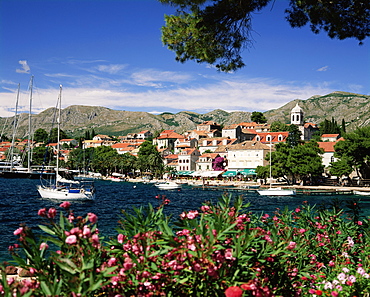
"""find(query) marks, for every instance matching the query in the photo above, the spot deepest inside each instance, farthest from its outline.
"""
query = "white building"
(187, 159)
(247, 155)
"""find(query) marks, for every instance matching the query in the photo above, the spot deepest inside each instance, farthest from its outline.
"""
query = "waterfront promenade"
(248, 185)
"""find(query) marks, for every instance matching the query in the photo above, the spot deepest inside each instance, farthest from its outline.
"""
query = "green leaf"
(47, 230)
(45, 289)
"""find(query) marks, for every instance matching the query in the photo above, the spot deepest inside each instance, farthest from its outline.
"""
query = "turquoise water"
(20, 201)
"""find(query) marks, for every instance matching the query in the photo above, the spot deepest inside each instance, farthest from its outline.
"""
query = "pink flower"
(18, 231)
(92, 217)
(42, 212)
(43, 245)
(95, 240)
(71, 217)
(234, 291)
(268, 238)
(71, 239)
(291, 245)
(86, 231)
(359, 223)
(297, 209)
(192, 214)
(302, 231)
(229, 254)
(65, 204)
(197, 267)
(120, 238)
(112, 262)
(205, 208)
(334, 293)
(52, 212)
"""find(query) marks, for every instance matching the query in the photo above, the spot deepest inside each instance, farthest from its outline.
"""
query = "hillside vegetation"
(76, 119)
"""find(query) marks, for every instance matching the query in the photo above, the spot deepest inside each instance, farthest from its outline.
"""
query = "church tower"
(296, 116)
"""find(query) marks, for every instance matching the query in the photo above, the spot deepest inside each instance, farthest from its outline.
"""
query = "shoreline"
(243, 185)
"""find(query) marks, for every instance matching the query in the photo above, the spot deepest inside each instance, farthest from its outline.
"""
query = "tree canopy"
(302, 162)
(216, 31)
(40, 135)
(355, 149)
(258, 117)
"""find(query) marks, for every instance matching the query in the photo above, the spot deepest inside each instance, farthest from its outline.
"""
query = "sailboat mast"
(14, 129)
(29, 127)
(58, 121)
(270, 161)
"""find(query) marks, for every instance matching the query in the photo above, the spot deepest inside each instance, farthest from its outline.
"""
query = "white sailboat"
(275, 191)
(61, 188)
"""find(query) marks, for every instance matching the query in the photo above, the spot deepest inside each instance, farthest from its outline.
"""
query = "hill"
(76, 119)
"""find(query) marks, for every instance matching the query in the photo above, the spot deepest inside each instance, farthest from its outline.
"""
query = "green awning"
(248, 172)
(229, 173)
(184, 172)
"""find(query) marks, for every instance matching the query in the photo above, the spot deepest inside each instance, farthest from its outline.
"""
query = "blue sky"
(109, 53)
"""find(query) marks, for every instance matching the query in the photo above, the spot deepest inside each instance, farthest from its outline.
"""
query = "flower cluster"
(220, 249)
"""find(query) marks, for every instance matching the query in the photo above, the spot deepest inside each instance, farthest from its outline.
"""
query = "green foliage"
(205, 252)
(345, 19)
(263, 171)
(258, 117)
(3, 137)
(104, 159)
(330, 127)
(216, 31)
(297, 162)
(150, 159)
(40, 135)
(341, 167)
(355, 149)
(172, 122)
(278, 127)
(53, 137)
(41, 155)
(294, 137)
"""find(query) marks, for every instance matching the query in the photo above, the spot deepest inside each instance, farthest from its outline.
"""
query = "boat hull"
(361, 193)
(277, 192)
(168, 186)
(65, 194)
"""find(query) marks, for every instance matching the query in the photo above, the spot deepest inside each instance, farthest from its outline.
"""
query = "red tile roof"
(327, 146)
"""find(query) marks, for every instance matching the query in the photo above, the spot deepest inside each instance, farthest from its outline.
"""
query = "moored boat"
(64, 187)
(362, 193)
(277, 191)
(168, 186)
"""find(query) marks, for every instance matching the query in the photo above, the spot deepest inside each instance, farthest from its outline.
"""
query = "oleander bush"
(221, 249)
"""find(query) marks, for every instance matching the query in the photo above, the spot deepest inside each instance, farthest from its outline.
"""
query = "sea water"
(20, 202)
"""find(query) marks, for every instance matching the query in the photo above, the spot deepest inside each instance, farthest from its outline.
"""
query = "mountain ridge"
(76, 119)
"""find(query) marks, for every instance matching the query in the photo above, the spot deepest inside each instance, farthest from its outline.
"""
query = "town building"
(167, 139)
(187, 159)
(247, 155)
(307, 129)
(205, 161)
(211, 144)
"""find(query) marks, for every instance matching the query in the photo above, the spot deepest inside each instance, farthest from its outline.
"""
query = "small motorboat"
(277, 191)
(168, 186)
(362, 193)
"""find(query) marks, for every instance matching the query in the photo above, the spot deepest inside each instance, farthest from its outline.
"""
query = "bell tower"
(296, 116)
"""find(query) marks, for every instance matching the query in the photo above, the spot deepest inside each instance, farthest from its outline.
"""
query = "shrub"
(218, 250)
